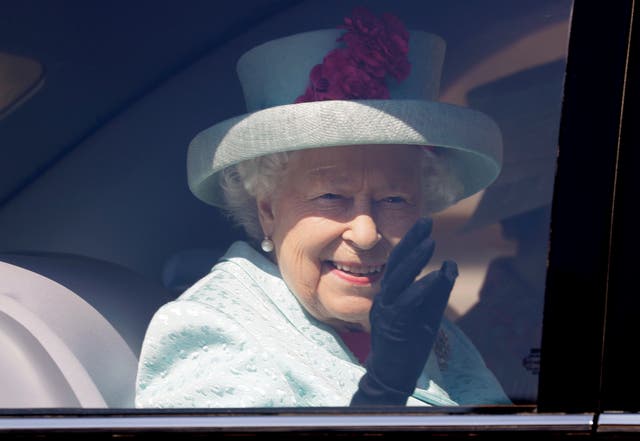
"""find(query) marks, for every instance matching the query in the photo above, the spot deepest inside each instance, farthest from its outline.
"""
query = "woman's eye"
(330, 196)
(394, 200)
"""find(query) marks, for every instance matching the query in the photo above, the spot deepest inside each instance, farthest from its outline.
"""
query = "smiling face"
(334, 219)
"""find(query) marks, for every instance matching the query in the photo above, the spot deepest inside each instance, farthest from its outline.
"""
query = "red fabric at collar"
(359, 343)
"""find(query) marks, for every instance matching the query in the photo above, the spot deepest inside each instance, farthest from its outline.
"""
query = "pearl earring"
(266, 244)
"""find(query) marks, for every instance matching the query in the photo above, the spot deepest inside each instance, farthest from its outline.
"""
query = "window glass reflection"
(509, 309)
(391, 202)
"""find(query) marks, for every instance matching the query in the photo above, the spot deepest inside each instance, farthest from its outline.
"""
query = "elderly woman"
(331, 174)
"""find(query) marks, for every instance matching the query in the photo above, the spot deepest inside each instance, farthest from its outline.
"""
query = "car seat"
(186, 267)
(71, 328)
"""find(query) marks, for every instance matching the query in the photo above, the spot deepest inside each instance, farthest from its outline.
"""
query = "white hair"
(249, 180)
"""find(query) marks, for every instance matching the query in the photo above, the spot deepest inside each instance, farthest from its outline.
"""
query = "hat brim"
(470, 141)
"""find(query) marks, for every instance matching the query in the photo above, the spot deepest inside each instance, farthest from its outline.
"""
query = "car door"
(581, 368)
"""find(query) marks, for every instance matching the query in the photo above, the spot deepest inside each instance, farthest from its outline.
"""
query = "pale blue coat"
(239, 338)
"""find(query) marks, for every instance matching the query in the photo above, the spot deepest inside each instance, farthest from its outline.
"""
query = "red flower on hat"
(374, 48)
(340, 77)
(380, 45)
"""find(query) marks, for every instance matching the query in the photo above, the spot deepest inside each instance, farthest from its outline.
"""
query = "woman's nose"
(362, 232)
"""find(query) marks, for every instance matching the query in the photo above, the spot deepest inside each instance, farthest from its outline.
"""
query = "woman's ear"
(266, 214)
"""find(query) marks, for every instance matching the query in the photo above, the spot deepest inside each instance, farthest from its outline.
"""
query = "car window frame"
(579, 266)
(619, 391)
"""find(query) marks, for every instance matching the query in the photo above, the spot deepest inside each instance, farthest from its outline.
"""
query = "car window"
(100, 214)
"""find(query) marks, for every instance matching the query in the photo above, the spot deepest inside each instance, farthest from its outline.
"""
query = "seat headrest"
(57, 349)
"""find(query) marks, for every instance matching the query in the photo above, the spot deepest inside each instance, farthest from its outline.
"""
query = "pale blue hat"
(274, 74)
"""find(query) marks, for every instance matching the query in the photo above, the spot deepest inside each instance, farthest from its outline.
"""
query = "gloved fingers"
(416, 234)
(449, 270)
(401, 276)
(416, 309)
(429, 296)
(426, 294)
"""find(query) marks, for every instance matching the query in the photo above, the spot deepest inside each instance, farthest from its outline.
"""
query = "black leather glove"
(405, 318)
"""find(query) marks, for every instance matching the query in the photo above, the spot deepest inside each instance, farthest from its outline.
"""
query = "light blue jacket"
(239, 338)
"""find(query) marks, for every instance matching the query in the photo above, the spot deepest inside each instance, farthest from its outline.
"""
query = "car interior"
(98, 103)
